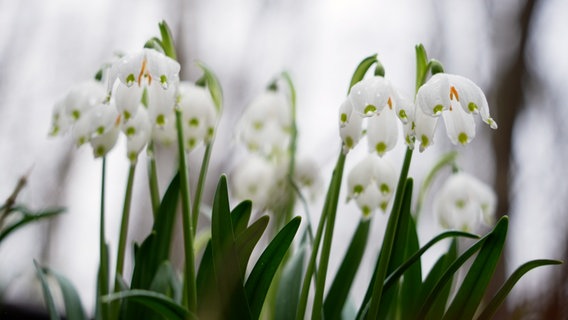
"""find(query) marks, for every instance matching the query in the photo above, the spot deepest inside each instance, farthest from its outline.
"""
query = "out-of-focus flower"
(456, 99)
(371, 183)
(253, 179)
(464, 201)
(138, 131)
(199, 114)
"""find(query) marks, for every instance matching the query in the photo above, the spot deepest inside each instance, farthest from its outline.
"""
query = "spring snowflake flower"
(151, 71)
(253, 179)
(199, 114)
(456, 99)
(265, 125)
(464, 201)
(138, 131)
(371, 183)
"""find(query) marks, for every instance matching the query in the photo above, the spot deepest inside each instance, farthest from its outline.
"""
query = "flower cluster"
(265, 128)
(464, 201)
(139, 99)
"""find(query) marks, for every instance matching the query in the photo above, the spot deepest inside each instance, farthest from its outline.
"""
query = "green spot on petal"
(460, 204)
(132, 156)
(472, 107)
(161, 120)
(437, 109)
(191, 143)
(424, 141)
(100, 151)
(76, 114)
(370, 109)
(358, 189)
(194, 122)
(383, 205)
(349, 142)
(100, 130)
(463, 138)
(127, 115)
(130, 131)
(384, 188)
(366, 211)
(257, 125)
(402, 114)
(130, 79)
(343, 117)
(381, 148)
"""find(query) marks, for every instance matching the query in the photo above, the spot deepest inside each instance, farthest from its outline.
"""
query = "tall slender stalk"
(190, 289)
(153, 180)
(123, 235)
(326, 246)
(201, 185)
(103, 283)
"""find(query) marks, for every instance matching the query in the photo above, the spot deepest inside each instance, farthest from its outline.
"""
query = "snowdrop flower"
(265, 125)
(138, 131)
(463, 202)
(371, 95)
(148, 70)
(199, 114)
(457, 99)
(371, 183)
(253, 179)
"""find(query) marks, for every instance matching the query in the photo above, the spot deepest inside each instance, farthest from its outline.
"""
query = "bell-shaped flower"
(464, 201)
(350, 126)
(424, 128)
(161, 103)
(371, 95)
(83, 97)
(165, 134)
(60, 121)
(253, 179)
(103, 143)
(307, 175)
(382, 131)
(371, 183)
(146, 66)
(127, 99)
(457, 99)
(199, 114)
(137, 130)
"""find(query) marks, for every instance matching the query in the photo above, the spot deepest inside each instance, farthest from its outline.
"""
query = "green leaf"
(439, 305)
(412, 279)
(206, 285)
(470, 293)
(167, 40)
(247, 240)
(166, 281)
(447, 276)
(341, 285)
(102, 311)
(48, 298)
(158, 302)
(26, 218)
(213, 85)
(73, 306)
(288, 295)
(362, 69)
(421, 65)
(232, 298)
(500, 296)
(240, 216)
(260, 278)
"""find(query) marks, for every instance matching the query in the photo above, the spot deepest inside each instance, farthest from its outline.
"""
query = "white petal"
(404, 109)
(252, 179)
(162, 68)
(160, 103)
(83, 97)
(454, 206)
(472, 98)
(351, 131)
(370, 95)
(60, 121)
(460, 126)
(425, 127)
(385, 176)
(368, 201)
(199, 113)
(102, 144)
(129, 67)
(127, 99)
(382, 132)
(434, 96)
(360, 176)
(103, 118)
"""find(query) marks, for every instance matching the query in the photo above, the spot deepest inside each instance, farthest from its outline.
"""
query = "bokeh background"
(514, 49)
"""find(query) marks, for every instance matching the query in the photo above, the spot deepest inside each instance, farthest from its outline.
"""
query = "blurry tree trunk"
(508, 101)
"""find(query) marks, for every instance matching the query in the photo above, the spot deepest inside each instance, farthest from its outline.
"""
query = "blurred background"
(515, 50)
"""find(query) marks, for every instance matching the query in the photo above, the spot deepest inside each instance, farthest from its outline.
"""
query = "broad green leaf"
(341, 285)
(240, 216)
(471, 291)
(213, 86)
(439, 304)
(27, 218)
(206, 285)
(167, 40)
(362, 69)
(48, 298)
(157, 302)
(288, 294)
(164, 223)
(246, 242)
(167, 282)
(421, 65)
(412, 279)
(73, 306)
(232, 297)
(500, 296)
(447, 276)
(260, 278)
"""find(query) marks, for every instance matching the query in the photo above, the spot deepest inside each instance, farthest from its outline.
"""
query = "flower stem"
(326, 246)
(103, 283)
(388, 241)
(124, 226)
(153, 180)
(190, 289)
(200, 186)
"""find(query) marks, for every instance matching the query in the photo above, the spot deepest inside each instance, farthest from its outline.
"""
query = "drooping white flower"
(382, 131)
(138, 131)
(103, 143)
(83, 97)
(350, 126)
(371, 183)
(464, 201)
(371, 95)
(199, 114)
(265, 124)
(457, 99)
(253, 179)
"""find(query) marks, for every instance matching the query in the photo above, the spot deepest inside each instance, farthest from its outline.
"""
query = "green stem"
(292, 146)
(447, 159)
(103, 285)
(124, 226)
(201, 185)
(326, 247)
(190, 289)
(388, 240)
(153, 180)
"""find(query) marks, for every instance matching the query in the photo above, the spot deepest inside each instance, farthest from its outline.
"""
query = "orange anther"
(454, 93)
(389, 102)
(142, 71)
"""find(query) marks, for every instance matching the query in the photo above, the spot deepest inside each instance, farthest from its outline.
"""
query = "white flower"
(371, 183)
(103, 143)
(60, 121)
(138, 131)
(253, 179)
(371, 95)
(464, 201)
(382, 131)
(265, 125)
(199, 114)
(457, 99)
(350, 126)
(307, 175)
(96, 121)
(83, 97)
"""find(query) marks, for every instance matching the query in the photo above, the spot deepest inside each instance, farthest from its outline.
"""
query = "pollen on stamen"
(389, 102)
(142, 71)
(454, 93)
